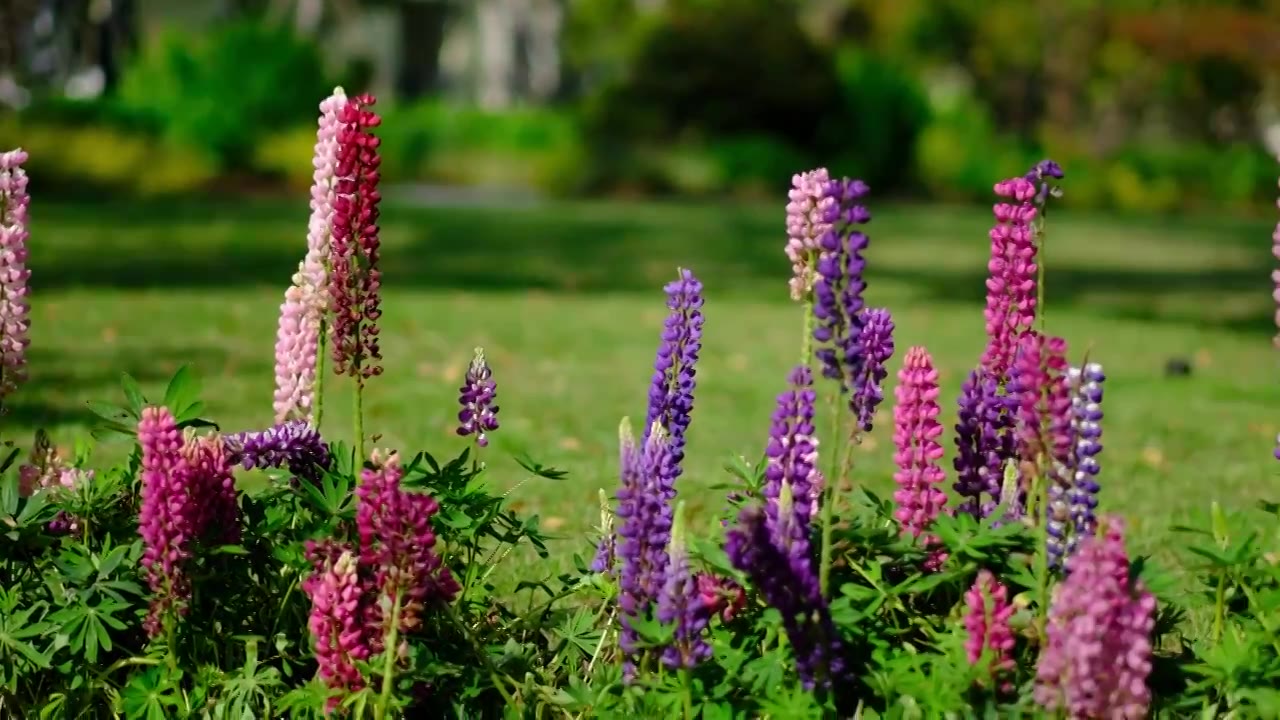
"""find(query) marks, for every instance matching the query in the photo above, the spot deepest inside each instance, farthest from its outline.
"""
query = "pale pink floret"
(302, 314)
(1011, 284)
(915, 436)
(14, 311)
(810, 214)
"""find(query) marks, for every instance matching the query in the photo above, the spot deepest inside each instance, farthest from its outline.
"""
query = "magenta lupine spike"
(306, 300)
(1097, 657)
(215, 504)
(986, 622)
(337, 621)
(915, 435)
(397, 543)
(15, 320)
(165, 517)
(1011, 285)
(810, 210)
(355, 280)
(478, 416)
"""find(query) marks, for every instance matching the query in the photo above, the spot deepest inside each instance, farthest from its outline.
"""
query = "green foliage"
(885, 111)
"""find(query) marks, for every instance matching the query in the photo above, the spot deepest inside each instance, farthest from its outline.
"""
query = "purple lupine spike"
(478, 416)
(984, 443)
(671, 392)
(876, 341)
(791, 455)
(788, 584)
(1097, 657)
(838, 288)
(294, 444)
(646, 516)
(679, 603)
(1086, 406)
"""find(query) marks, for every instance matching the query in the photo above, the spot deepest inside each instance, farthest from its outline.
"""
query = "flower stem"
(806, 342)
(828, 499)
(359, 420)
(389, 663)
(1041, 515)
(319, 403)
(686, 692)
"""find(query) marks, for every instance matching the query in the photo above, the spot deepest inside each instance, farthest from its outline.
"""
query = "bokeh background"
(549, 163)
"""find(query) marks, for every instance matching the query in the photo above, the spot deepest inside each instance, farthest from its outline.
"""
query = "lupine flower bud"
(837, 290)
(478, 416)
(984, 441)
(810, 214)
(720, 596)
(674, 368)
(1011, 286)
(915, 434)
(1097, 658)
(791, 456)
(876, 341)
(679, 603)
(336, 623)
(215, 505)
(165, 519)
(986, 621)
(791, 588)
(15, 318)
(1086, 407)
(607, 550)
(356, 280)
(646, 515)
(294, 444)
(305, 302)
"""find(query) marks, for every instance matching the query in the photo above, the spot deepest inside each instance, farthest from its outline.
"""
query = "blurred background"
(1153, 106)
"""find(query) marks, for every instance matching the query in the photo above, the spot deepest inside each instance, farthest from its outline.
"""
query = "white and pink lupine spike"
(810, 210)
(15, 319)
(302, 314)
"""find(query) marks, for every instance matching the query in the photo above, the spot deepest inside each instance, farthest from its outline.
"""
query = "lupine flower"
(837, 290)
(984, 442)
(810, 214)
(398, 545)
(671, 390)
(166, 517)
(1086, 407)
(46, 471)
(986, 621)
(215, 506)
(15, 318)
(478, 416)
(1097, 657)
(355, 279)
(1011, 286)
(294, 444)
(305, 302)
(607, 551)
(680, 603)
(646, 516)
(788, 584)
(1043, 175)
(915, 435)
(720, 596)
(876, 341)
(791, 455)
(336, 622)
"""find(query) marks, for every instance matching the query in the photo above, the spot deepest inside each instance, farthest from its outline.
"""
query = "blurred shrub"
(960, 156)
(885, 110)
(105, 160)
(219, 89)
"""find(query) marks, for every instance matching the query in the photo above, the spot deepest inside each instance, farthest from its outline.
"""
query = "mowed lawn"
(567, 301)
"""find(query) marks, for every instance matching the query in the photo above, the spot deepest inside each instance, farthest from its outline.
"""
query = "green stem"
(686, 692)
(1040, 270)
(828, 502)
(1041, 515)
(389, 663)
(806, 342)
(319, 414)
(1220, 608)
(359, 419)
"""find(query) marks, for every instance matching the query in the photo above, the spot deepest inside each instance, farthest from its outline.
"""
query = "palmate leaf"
(151, 695)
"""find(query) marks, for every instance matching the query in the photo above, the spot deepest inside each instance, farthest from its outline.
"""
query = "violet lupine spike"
(165, 516)
(1086, 406)
(679, 603)
(1011, 285)
(790, 586)
(837, 291)
(810, 214)
(646, 516)
(984, 443)
(397, 544)
(1097, 657)
(674, 369)
(355, 280)
(915, 435)
(478, 416)
(791, 455)
(337, 621)
(986, 623)
(15, 313)
(306, 300)
(294, 444)
(876, 341)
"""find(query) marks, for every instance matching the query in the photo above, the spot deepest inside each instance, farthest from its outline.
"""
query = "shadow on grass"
(595, 248)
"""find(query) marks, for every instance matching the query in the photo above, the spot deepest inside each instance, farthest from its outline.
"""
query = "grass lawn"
(567, 301)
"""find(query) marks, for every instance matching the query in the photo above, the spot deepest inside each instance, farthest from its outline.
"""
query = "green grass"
(567, 301)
